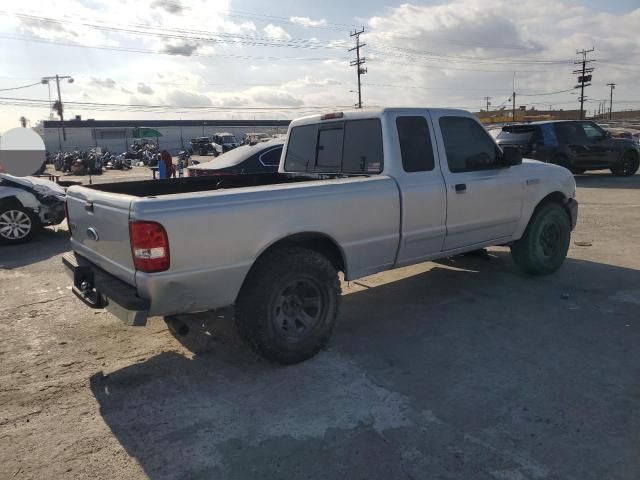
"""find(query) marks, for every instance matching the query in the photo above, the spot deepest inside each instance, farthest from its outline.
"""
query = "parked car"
(223, 142)
(253, 137)
(26, 205)
(202, 146)
(263, 157)
(426, 184)
(576, 145)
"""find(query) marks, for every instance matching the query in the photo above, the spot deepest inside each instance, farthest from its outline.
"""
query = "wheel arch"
(319, 242)
(316, 241)
(553, 197)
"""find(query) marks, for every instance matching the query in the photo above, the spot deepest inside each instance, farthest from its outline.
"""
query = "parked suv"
(576, 145)
(223, 142)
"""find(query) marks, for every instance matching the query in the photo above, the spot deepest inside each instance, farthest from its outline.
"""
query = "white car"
(26, 205)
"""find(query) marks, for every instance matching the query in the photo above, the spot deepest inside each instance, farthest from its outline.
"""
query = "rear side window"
(271, 158)
(570, 132)
(362, 147)
(353, 146)
(301, 151)
(549, 137)
(415, 144)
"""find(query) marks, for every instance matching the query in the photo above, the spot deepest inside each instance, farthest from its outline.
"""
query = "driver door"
(484, 198)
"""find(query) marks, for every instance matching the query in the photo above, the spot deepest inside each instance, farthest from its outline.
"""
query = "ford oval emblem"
(92, 233)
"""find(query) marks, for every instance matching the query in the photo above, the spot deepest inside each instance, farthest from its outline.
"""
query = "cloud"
(274, 97)
(233, 100)
(102, 82)
(46, 30)
(144, 89)
(277, 33)
(307, 22)
(188, 99)
(181, 48)
(173, 7)
(308, 81)
(125, 90)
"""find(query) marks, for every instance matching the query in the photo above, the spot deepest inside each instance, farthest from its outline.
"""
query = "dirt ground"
(460, 369)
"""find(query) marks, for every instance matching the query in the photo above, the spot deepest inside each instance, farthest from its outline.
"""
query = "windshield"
(229, 139)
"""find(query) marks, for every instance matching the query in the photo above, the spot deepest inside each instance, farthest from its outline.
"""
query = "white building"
(117, 135)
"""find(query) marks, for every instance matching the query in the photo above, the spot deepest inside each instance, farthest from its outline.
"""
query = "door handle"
(461, 187)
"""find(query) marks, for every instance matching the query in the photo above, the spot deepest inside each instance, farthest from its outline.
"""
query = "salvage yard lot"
(462, 368)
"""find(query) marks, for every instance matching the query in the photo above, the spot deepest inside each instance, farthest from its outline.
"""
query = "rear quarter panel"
(215, 237)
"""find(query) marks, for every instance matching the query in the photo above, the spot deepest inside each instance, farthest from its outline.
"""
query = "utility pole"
(358, 62)
(612, 86)
(58, 105)
(585, 76)
(488, 102)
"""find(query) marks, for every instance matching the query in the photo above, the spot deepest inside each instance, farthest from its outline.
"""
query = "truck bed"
(152, 188)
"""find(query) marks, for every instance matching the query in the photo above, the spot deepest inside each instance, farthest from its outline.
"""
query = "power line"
(155, 52)
(168, 107)
(18, 88)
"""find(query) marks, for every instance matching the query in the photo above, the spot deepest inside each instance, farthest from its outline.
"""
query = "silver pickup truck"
(358, 192)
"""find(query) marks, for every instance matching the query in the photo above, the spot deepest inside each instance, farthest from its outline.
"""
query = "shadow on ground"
(467, 371)
(48, 243)
(606, 180)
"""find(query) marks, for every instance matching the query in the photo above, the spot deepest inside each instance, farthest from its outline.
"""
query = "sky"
(206, 59)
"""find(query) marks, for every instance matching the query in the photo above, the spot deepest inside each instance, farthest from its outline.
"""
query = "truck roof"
(372, 113)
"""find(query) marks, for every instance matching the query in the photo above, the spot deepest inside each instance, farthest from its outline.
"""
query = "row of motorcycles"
(89, 162)
(93, 162)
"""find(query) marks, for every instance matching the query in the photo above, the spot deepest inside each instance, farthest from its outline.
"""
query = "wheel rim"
(15, 224)
(550, 239)
(298, 308)
(627, 164)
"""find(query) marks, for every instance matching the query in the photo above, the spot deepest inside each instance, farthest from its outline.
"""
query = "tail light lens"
(149, 246)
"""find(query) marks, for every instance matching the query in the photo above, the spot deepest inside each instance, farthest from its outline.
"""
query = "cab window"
(468, 145)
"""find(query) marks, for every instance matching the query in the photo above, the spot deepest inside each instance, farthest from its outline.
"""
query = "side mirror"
(511, 156)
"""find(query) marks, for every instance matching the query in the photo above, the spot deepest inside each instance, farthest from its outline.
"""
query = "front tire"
(288, 305)
(628, 165)
(17, 224)
(544, 245)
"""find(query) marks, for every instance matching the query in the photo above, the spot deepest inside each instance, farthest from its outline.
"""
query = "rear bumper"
(98, 289)
(572, 207)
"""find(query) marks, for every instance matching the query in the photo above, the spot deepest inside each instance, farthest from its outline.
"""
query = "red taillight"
(149, 246)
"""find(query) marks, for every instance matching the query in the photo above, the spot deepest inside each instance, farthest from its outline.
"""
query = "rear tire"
(628, 165)
(17, 224)
(544, 245)
(288, 305)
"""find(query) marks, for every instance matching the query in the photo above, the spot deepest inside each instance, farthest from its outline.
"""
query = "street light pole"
(57, 78)
(612, 85)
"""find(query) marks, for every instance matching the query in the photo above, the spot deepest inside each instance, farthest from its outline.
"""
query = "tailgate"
(99, 225)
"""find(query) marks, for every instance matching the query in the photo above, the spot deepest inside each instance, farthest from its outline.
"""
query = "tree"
(23, 121)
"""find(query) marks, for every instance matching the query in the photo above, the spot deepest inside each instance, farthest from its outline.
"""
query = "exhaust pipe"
(177, 326)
